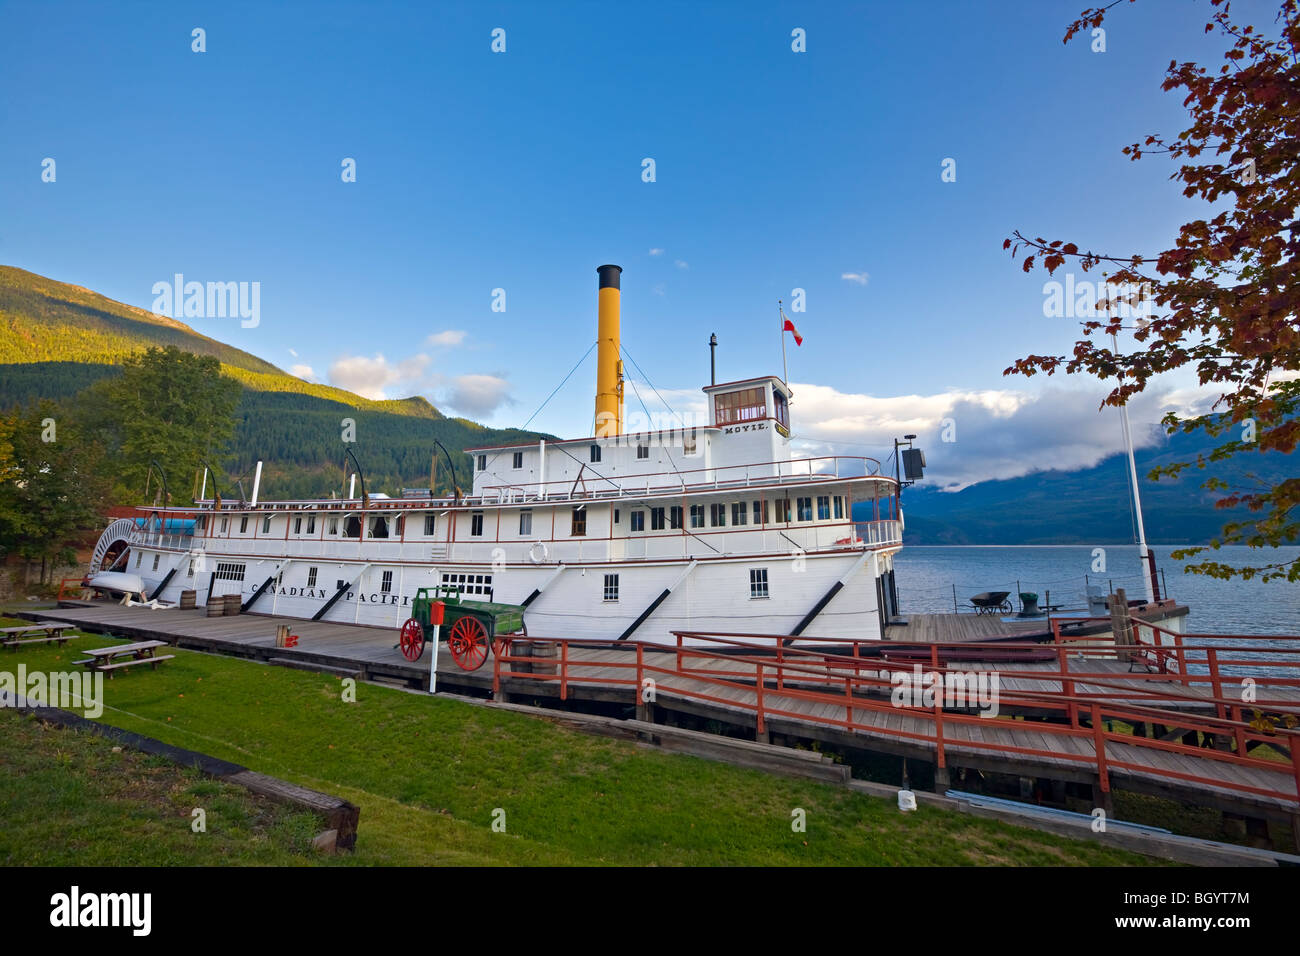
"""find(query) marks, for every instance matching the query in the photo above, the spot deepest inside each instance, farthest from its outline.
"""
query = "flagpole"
(785, 370)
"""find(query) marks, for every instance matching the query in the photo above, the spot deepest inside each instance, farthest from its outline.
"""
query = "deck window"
(430, 523)
(718, 516)
(138, 556)
(839, 507)
(697, 516)
(595, 453)
(517, 461)
(525, 522)
(334, 526)
(243, 524)
(823, 507)
(311, 577)
(297, 525)
(386, 583)
(638, 520)
(739, 513)
(229, 572)
(757, 583)
(352, 527)
(266, 525)
(155, 561)
(224, 523)
(311, 524)
(675, 517)
(611, 587)
(689, 445)
(379, 527)
(476, 524)
(469, 583)
(656, 519)
(579, 526)
(760, 512)
(783, 510)
(642, 452)
(745, 405)
(805, 509)
(481, 463)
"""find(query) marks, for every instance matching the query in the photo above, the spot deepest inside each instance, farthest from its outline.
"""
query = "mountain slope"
(56, 339)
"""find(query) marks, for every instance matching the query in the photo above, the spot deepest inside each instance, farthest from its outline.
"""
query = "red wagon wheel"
(412, 640)
(469, 643)
(501, 643)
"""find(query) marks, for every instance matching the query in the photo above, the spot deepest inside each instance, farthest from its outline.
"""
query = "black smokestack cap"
(609, 276)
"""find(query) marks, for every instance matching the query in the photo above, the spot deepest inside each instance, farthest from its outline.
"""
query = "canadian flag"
(789, 327)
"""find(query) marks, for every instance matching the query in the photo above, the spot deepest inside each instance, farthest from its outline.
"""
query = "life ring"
(532, 552)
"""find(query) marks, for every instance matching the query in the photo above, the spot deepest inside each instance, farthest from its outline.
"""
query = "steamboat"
(719, 527)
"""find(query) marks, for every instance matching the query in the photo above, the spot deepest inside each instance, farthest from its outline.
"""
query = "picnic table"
(102, 659)
(53, 631)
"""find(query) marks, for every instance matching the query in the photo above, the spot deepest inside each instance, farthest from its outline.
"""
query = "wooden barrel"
(216, 607)
(543, 654)
(187, 600)
(233, 601)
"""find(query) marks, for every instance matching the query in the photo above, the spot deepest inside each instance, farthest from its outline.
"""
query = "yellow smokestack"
(609, 368)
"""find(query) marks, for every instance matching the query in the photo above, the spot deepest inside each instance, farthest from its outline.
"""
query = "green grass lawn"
(429, 774)
(77, 799)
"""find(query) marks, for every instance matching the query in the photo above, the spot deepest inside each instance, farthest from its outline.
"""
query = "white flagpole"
(785, 370)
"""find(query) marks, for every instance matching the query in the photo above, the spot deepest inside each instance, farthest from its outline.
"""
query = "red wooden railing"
(860, 686)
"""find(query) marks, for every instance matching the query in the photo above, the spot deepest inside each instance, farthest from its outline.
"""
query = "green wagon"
(470, 628)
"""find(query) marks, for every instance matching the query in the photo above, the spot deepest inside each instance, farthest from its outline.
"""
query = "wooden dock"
(804, 698)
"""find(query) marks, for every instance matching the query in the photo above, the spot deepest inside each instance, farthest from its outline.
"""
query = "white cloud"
(861, 278)
(372, 377)
(477, 396)
(656, 252)
(293, 353)
(447, 339)
(681, 264)
(999, 433)
(658, 288)
(303, 372)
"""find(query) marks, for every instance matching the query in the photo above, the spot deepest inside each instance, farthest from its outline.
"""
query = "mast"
(1137, 498)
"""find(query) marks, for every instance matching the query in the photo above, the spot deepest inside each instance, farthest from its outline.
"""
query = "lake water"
(926, 576)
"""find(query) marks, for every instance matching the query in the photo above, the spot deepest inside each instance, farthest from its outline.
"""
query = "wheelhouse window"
(757, 583)
(525, 522)
(697, 516)
(656, 519)
(517, 460)
(675, 517)
(481, 463)
(638, 520)
(805, 509)
(611, 587)
(745, 405)
(579, 527)
(718, 516)
(782, 411)
(595, 453)
(823, 507)
(476, 524)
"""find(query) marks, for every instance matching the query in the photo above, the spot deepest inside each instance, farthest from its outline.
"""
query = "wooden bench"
(153, 663)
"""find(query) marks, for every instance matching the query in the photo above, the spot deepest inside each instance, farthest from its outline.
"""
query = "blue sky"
(522, 170)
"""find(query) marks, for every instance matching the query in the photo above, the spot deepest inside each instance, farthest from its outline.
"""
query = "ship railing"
(722, 477)
(764, 675)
